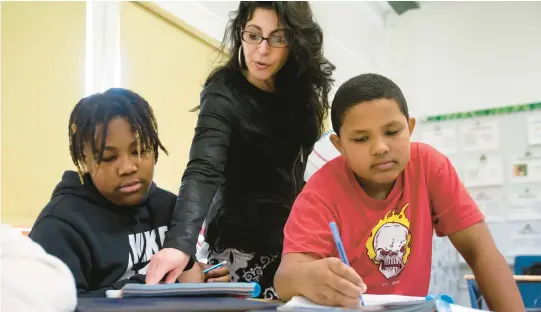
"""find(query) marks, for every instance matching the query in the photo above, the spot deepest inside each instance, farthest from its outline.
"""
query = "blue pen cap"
(257, 290)
(442, 297)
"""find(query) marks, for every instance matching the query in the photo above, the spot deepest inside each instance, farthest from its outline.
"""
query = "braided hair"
(99, 109)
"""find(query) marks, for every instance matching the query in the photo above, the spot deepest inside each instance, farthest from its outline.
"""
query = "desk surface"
(518, 278)
(172, 304)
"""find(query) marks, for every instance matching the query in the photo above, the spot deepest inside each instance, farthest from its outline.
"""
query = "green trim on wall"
(486, 112)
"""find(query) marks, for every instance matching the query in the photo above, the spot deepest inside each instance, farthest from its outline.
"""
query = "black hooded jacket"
(105, 246)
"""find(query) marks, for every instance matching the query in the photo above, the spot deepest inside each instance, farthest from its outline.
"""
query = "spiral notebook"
(246, 290)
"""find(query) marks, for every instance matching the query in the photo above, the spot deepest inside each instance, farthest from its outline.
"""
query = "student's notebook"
(187, 289)
(374, 303)
(172, 304)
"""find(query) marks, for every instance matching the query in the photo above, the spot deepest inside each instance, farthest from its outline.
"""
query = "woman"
(259, 117)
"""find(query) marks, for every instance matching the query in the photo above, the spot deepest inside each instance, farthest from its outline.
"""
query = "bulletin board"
(497, 153)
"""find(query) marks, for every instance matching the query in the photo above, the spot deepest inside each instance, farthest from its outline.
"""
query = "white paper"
(526, 170)
(299, 302)
(525, 239)
(487, 172)
(457, 308)
(480, 136)
(524, 205)
(525, 245)
(534, 129)
(442, 139)
(490, 202)
(302, 303)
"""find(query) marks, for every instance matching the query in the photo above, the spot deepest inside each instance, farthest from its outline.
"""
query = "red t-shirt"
(388, 242)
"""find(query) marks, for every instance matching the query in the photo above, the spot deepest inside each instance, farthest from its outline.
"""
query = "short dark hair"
(100, 109)
(364, 88)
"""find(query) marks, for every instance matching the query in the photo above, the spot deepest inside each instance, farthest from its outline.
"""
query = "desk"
(172, 304)
(517, 278)
(476, 297)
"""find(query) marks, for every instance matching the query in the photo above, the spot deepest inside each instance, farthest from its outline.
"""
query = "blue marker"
(214, 267)
(340, 247)
(443, 297)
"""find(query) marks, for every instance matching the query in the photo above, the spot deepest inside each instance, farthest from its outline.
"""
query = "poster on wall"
(483, 171)
(524, 238)
(524, 170)
(443, 139)
(491, 202)
(534, 129)
(524, 205)
(480, 136)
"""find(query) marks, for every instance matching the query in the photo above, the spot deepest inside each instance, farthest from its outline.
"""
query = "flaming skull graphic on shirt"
(389, 243)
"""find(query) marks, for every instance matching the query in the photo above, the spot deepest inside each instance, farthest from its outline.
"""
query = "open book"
(374, 303)
(187, 289)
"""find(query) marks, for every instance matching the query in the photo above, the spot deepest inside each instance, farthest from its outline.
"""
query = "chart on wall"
(497, 154)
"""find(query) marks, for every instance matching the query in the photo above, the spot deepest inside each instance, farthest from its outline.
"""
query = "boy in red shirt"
(387, 196)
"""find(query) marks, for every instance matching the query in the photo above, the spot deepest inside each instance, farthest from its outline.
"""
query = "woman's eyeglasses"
(273, 41)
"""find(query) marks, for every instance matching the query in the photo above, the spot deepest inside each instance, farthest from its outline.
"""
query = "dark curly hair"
(100, 109)
(306, 75)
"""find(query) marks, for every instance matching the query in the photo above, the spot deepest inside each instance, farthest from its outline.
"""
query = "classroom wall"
(167, 65)
(42, 78)
(356, 39)
(355, 35)
(461, 56)
(446, 56)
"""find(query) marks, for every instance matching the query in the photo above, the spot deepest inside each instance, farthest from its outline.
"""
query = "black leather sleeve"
(204, 172)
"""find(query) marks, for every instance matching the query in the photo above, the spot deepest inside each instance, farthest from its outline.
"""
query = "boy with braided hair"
(106, 220)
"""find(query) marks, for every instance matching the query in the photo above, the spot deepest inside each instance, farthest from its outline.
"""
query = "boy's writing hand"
(330, 282)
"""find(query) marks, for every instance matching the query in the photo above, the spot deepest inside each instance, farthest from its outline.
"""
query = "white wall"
(354, 32)
(463, 56)
(446, 56)
(456, 56)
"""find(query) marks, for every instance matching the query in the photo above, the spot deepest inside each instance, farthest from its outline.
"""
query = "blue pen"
(214, 267)
(340, 247)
